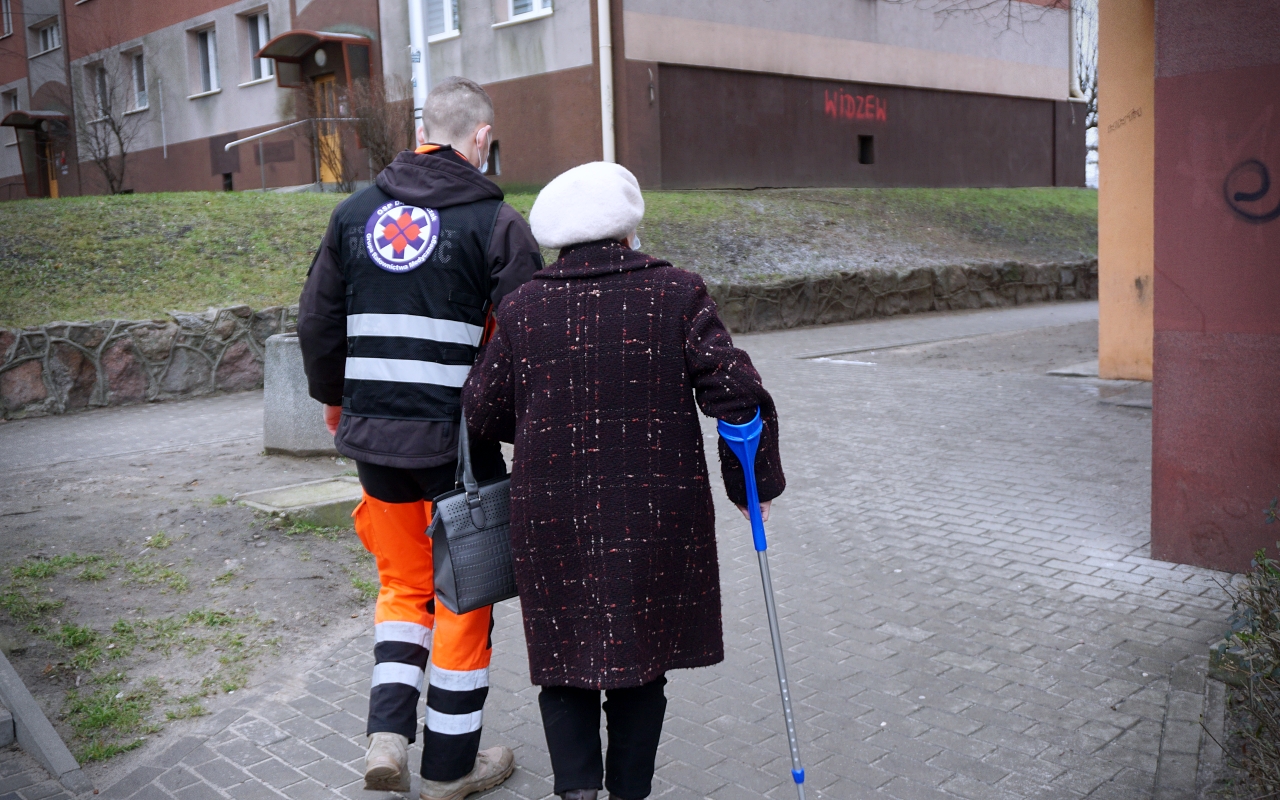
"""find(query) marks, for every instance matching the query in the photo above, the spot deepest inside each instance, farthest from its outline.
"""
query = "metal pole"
(607, 145)
(776, 635)
(164, 140)
(315, 152)
(419, 57)
(262, 167)
(1073, 50)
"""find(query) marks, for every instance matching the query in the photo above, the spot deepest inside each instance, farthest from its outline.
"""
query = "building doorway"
(324, 67)
(42, 139)
(328, 134)
(48, 167)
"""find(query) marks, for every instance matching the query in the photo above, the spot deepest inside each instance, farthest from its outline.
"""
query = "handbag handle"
(466, 478)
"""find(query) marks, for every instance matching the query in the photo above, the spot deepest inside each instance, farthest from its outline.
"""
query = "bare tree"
(1008, 15)
(108, 91)
(1086, 56)
(385, 126)
(1014, 15)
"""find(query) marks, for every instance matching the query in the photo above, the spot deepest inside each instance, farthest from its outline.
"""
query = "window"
(6, 16)
(8, 106)
(139, 70)
(494, 165)
(48, 37)
(866, 149)
(442, 19)
(520, 8)
(207, 47)
(259, 35)
(101, 90)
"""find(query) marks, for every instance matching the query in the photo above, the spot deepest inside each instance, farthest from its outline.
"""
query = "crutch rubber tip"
(798, 774)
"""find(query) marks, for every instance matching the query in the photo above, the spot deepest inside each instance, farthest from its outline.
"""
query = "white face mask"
(487, 152)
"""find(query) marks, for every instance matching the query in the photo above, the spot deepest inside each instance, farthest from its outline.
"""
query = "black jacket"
(405, 432)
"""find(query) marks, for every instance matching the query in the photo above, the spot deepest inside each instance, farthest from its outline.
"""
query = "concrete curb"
(35, 735)
(1188, 759)
(328, 501)
(7, 734)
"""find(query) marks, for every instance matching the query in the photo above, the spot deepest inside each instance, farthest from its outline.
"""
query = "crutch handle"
(744, 440)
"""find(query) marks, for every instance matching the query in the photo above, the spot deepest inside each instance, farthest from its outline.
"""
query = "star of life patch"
(400, 238)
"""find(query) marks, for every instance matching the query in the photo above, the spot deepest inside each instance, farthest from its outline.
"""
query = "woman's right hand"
(764, 511)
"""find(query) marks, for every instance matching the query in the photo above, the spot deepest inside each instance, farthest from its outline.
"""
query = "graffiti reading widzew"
(842, 105)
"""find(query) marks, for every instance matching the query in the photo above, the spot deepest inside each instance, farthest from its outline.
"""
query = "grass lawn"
(138, 256)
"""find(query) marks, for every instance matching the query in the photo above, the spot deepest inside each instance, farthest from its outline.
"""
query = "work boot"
(386, 765)
(580, 794)
(493, 766)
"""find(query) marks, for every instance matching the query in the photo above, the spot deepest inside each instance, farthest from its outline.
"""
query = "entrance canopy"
(301, 55)
(34, 120)
(293, 47)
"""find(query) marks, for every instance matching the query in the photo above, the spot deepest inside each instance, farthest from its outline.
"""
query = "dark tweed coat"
(593, 374)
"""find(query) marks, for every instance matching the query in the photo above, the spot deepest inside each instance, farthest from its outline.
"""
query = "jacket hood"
(593, 259)
(435, 180)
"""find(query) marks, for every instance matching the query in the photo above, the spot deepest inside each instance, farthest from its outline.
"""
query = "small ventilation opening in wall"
(226, 182)
(866, 149)
(494, 165)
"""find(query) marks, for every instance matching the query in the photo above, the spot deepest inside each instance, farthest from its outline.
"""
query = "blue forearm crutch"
(743, 440)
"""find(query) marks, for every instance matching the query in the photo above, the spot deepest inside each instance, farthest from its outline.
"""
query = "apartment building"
(703, 93)
(759, 93)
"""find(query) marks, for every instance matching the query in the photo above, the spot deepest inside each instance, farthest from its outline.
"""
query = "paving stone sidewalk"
(962, 567)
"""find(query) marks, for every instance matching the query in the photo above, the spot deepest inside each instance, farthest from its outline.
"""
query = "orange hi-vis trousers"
(412, 630)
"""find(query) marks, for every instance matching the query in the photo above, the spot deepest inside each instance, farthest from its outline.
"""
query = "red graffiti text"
(842, 105)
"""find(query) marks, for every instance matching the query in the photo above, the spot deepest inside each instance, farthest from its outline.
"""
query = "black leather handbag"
(471, 539)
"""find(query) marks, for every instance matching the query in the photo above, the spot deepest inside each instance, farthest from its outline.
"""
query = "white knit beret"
(595, 201)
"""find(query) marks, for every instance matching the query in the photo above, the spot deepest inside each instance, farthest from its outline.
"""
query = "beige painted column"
(1126, 186)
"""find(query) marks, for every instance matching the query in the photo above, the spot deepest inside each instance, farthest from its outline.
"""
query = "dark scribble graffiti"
(1246, 191)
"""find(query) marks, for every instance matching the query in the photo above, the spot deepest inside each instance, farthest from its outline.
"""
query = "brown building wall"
(735, 129)
(199, 164)
(1216, 392)
(13, 49)
(101, 24)
(1069, 149)
(545, 124)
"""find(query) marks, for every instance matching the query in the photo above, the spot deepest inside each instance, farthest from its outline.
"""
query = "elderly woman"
(594, 373)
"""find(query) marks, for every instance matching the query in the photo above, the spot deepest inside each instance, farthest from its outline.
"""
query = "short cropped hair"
(454, 109)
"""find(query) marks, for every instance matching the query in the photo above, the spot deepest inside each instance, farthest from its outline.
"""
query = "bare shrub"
(385, 125)
(326, 138)
(1251, 660)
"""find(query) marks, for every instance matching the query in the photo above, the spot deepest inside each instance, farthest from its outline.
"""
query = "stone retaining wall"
(65, 366)
(847, 296)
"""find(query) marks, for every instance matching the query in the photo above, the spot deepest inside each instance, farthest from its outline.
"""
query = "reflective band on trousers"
(400, 370)
(395, 672)
(454, 680)
(454, 724)
(410, 632)
(411, 326)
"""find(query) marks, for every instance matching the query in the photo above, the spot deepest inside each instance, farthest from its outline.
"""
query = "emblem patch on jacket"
(401, 238)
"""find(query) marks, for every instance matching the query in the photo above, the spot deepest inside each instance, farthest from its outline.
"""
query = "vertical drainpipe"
(418, 57)
(1073, 89)
(606, 80)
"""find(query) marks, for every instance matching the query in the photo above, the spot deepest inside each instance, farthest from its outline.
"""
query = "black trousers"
(633, 717)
